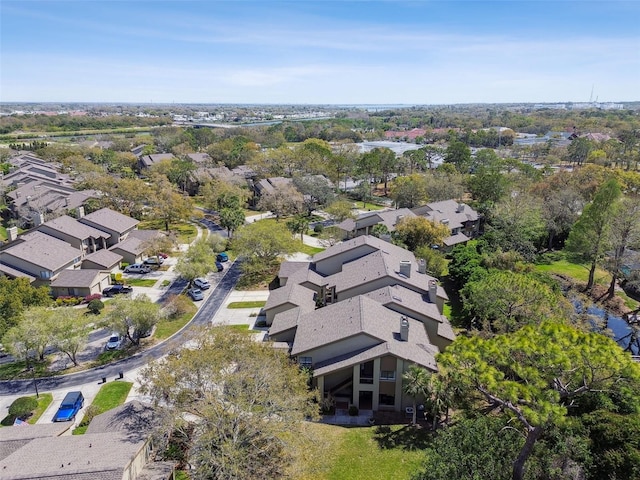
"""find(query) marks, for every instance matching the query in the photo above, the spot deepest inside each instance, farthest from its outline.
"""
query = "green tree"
(466, 260)
(340, 210)
(240, 404)
(69, 332)
(218, 194)
(316, 191)
(624, 232)
(533, 374)
(409, 191)
(263, 242)
(459, 155)
(415, 383)
(590, 234)
(199, 259)
(15, 296)
(169, 205)
(503, 301)
(416, 232)
(435, 261)
(231, 219)
(298, 224)
(133, 318)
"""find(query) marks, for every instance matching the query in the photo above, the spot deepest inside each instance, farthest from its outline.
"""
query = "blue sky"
(328, 52)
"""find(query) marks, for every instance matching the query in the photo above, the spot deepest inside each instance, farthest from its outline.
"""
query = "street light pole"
(35, 382)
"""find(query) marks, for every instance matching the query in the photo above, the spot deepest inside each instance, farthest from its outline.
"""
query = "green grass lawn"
(167, 326)
(16, 370)
(309, 250)
(242, 328)
(248, 304)
(110, 396)
(141, 282)
(390, 453)
(43, 402)
(577, 271)
(185, 232)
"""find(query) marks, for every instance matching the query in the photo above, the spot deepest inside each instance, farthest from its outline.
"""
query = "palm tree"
(439, 393)
(416, 383)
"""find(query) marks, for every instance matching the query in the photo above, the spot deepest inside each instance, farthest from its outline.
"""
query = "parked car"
(219, 266)
(137, 268)
(202, 283)
(116, 289)
(114, 342)
(222, 257)
(195, 294)
(154, 261)
(70, 406)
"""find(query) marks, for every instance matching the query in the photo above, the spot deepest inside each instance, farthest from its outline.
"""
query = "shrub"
(93, 296)
(550, 257)
(92, 411)
(23, 407)
(176, 306)
(95, 306)
(68, 301)
(353, 410)
(318, 228)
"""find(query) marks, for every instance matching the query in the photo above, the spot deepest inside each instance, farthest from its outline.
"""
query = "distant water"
(620, 328)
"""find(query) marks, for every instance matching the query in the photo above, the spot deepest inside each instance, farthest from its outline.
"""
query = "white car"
(114, 342)
(202, 283)
(137, 268)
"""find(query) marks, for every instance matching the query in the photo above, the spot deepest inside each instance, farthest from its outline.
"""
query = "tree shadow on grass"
(408, 437)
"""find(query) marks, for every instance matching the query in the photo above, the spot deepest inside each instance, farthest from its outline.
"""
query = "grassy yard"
(110, 396)
(43, 402)
(309, 250)
(16, 370)
(367, 206)
(577, 271)
(167, 326)
(141, 282)
(248, 304)
(391, 453)
(185, 232)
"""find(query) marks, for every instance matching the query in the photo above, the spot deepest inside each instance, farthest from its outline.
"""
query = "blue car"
(70, 406)
(222, 257)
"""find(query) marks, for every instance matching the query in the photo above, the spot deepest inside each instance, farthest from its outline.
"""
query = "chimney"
(405, 268)
(66, 201)
(460, 208)
(37, 219)
(433, 290)
(80, 212)
(399, 218)
(404, 329)
(422, 265)
(12, 233)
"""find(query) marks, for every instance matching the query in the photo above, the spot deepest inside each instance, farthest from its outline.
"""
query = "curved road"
(203, 317)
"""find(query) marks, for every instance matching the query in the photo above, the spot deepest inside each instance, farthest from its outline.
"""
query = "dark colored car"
(222, 257)
(116, 289)
(219, 266)
(70, 406)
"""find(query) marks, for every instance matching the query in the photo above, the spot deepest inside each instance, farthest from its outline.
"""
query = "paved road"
(202, 318)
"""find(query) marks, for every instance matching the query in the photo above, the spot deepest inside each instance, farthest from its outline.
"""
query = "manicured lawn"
(185, 232)
(367, 206)
(43, 402)
(167, 327)
(15, 370)
(110, 396)
(250, 304)
(309, 250)
(577, 271)
(243, 328)
(392, 453)
(141, 282)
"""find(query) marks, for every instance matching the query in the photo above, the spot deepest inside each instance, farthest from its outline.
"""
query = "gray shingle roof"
(78, 278)
(106, 258)
(110, 219)
(74, 228)
(43, 250)
(130, 245)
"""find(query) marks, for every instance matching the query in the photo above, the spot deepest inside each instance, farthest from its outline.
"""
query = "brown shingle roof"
(105, 258)
(74, 228)
(42, 250)
(78, 278)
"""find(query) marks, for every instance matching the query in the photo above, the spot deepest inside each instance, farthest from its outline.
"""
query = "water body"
(620, 328)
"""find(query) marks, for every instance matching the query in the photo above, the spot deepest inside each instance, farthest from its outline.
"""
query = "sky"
(319, 52)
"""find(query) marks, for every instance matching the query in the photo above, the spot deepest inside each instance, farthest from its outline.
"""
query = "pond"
(627, 336)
